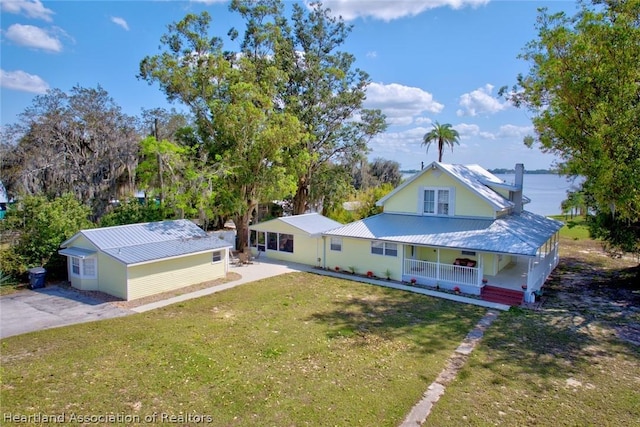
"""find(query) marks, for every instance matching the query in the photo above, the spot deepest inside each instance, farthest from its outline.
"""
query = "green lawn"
(299, 349)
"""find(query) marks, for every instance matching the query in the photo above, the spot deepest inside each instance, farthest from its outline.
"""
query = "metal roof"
(310, 223)
(514, 234)
(77, 252)
(168, 249)
(138, 243)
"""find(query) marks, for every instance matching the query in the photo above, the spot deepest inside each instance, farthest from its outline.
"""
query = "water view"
(546, 191)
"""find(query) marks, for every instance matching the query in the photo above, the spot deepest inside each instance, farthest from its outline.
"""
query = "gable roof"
(310, 223)
(514, 234)
(139, 243)
(474, 177)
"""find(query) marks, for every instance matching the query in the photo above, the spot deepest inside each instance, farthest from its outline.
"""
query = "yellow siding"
(357, 253)
(83, 283)
(112, 276)
(466, 203)
(162, 276)
(276, 226)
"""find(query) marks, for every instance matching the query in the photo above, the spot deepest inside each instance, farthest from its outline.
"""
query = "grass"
(564, 364)
(575, 228)
(298, 349)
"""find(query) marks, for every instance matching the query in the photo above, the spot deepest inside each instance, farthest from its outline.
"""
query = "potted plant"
(370, 274)
(387, 273)
(413, 280)
(485, 281)
(337, 268)
(524, 287)
(456, 289)
(352, 269)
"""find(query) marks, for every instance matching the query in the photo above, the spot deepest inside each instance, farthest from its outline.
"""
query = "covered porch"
(470, 270)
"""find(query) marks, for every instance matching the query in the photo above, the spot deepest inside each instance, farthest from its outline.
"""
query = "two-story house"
(451, 226)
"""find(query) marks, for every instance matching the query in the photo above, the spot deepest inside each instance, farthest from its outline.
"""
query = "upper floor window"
(436, 201)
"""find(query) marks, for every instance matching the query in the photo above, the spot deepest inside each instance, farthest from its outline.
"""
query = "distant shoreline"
(500, 171)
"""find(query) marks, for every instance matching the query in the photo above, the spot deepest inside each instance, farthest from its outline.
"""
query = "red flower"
(369, 273)
(456, 289)
(337, 268)
(413, 280)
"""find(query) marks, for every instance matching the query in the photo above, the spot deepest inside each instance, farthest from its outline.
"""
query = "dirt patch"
(593, 292)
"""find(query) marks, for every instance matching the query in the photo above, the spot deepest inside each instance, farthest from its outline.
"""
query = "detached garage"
(292, 238)
(138, 260)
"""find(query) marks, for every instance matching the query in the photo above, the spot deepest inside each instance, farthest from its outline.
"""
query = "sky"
(428, 60)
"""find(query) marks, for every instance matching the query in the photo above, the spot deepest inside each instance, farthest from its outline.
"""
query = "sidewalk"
(250, 273)
(266, 268)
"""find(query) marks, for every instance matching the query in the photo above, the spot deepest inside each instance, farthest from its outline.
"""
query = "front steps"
(502, 295)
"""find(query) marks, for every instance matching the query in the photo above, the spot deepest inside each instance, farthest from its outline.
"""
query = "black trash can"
(36, 277)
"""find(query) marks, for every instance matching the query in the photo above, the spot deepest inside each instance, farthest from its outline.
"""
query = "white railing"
(542, 269)
(435, 272)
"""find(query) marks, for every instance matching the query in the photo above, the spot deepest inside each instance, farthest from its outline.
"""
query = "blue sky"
(429, 60)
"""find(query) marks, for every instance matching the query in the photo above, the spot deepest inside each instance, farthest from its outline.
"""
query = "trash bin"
(36, 277)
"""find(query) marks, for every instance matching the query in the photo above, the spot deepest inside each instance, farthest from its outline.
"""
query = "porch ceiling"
(515, 234)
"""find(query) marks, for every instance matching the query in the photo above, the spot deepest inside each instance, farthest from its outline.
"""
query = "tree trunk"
(301, 197)
(242, 228)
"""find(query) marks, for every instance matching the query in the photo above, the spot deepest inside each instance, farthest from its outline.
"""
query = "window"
(216, 256)
(272, 241)
(336, 244)
(285, 242)
(377, 248)
(89, 267)
(84, 268)
(280, 242)
(436, 201)
(429, 201)
(443, 202)
(384, 248)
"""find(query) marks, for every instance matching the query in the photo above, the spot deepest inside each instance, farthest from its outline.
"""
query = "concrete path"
(32, 310)
(50, 307)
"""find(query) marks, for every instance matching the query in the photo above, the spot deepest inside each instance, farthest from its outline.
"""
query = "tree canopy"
(583, 89)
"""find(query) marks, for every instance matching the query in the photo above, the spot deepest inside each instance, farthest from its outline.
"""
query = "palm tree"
(444, 135)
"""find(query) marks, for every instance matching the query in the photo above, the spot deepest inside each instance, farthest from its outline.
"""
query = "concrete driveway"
(50, 307)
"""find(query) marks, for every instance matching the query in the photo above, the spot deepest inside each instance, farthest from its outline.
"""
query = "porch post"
(438, 266)
(480, 268)
(529, 272)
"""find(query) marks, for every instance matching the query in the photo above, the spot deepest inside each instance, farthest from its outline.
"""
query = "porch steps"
(501, 295)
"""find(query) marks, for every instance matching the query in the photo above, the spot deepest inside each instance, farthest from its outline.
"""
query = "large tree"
(442, 135)
(78, 142)
(326, 92)
(583, 88)
(233, 98)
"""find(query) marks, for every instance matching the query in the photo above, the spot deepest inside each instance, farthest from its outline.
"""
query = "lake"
(546, 191)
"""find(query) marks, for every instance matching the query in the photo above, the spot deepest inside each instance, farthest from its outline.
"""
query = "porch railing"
(436, 272)
(542, 269)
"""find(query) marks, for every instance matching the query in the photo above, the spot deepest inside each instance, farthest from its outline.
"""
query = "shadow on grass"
(429, 323)
(583, 310)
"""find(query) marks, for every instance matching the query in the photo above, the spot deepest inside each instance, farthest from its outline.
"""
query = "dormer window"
(436, 201)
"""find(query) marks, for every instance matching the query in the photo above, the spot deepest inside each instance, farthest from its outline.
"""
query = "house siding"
(83, 284)
(112, 276)
(466, 203)
(167, 275)
(357, 253)
(306, 250)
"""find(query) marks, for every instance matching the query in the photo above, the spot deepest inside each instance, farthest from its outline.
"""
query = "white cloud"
(372, 54)
(480, 102)
(24, 82)
(512, 131)
(30, 8)
(36, 37)
(388, 10)
(402, 105)
(120, 21)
